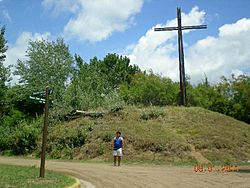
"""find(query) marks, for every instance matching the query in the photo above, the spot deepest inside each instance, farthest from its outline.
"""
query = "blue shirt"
(117, 143)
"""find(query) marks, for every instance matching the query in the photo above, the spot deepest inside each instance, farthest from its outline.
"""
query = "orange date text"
(215, 168)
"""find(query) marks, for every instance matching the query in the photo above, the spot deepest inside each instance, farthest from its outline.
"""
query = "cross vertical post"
(183, 95)
(181, 61)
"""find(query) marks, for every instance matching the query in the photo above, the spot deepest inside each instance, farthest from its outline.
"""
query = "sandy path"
(129, 176)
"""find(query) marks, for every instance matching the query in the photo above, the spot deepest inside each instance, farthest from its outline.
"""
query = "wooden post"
(45, 133)
(180, 56)
(183, 95)
(181, 60)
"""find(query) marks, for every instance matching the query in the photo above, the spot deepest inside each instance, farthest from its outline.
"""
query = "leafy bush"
(22, 138)
(150, 90)
(62, 141)
(107, 137)
(5, 138)
(100, 149)
(151, 114)
(25, 138)
(26, 135)
(230, 96)
(13, 118)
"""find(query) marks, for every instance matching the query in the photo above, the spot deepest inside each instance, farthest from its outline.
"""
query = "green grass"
(19, 177)
(165, 138)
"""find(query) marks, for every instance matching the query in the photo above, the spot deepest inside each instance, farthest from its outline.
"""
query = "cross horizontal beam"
(182, 28)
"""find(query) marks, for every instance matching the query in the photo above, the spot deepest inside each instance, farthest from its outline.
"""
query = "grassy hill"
(158, 134)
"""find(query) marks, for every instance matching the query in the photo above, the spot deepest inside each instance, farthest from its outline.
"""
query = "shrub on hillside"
(13, 118)
(107, 136)
(62, 140)
(5, 138)
(150, 89)
(151, 114)
(25, 138)
(18, 135)
(21, 138)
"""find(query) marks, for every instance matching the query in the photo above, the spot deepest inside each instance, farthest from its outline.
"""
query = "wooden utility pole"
(45, 132)
(183, 95)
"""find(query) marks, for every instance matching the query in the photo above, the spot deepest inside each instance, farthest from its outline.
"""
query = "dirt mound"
(159, 134)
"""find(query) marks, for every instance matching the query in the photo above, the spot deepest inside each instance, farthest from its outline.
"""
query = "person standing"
(117, 145)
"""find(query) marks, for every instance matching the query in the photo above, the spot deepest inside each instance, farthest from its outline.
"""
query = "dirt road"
(130, 176)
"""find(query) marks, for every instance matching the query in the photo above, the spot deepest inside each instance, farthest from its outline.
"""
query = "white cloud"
(222, 55)
(59, 6)
(214, 56)
(96, 20)
(18, 50)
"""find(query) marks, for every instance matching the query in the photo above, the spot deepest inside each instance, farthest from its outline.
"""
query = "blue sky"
(97, 27)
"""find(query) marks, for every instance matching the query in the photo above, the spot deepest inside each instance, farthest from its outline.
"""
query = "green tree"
(17, 98)
(241, 98)
(4, 72)
(150, 89)
(3, 49)
(231, 96)
(118, 69)
(88, 84)
(237, 92)
(202, 94)
(96, 83)
(49, 64)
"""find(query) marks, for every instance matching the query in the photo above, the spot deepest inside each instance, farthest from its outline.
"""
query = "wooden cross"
(183, 96)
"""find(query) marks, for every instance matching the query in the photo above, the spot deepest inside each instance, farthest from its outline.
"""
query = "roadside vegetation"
(19, 176)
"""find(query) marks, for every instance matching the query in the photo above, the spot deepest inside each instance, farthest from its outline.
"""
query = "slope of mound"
(159, 134)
